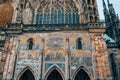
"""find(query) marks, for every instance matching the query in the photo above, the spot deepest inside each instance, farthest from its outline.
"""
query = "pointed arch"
(52, 69)
(30, 44)
(24, 71)
(82, 70)
(79, 43)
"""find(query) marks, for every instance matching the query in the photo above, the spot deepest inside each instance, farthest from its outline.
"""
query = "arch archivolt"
(82, 68)
(24, 69)
(47, 73)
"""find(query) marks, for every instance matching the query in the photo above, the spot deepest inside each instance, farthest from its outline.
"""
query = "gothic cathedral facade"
(52, 40)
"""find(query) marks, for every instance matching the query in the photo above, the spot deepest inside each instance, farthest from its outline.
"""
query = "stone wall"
(58, 50)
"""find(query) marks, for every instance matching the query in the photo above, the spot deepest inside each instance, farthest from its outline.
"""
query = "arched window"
(79, 44)
(57, 12)
(30, 44)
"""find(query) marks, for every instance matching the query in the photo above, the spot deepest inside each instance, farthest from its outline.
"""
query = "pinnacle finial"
(104, 5)
(108, 2)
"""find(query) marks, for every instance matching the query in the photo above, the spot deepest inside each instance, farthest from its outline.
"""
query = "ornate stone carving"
(27, 14)
(22, 63)
(19, 14)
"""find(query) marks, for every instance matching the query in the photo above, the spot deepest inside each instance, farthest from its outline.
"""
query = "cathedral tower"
(112, 21)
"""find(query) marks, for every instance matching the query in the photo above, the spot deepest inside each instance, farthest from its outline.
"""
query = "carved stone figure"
(27, 14)
(19, 14)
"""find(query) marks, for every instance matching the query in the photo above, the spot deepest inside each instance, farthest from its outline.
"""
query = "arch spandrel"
(6, 13)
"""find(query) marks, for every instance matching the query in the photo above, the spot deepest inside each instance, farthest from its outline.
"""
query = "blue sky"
(116, 4)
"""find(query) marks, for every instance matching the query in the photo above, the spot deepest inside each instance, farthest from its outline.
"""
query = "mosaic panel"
(54, 57)
(81, 60)
(55, 43)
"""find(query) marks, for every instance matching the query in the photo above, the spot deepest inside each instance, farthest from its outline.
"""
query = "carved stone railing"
(20, 28)
(55, 26)
(97, 25)
(45, 27)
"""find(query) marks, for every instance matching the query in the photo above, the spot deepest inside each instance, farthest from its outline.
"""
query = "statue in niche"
(27, 14)
(19, 14)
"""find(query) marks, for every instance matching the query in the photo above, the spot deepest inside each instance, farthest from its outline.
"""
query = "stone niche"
(6, 13)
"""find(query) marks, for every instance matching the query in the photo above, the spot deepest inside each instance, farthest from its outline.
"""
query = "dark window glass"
(79, 44)
(30, 45)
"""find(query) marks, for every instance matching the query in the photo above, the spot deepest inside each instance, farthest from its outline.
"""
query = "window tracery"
(57, 12)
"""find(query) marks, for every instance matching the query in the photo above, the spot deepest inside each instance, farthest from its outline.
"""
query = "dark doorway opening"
(54, 75)
(82, 75)
(27, 75)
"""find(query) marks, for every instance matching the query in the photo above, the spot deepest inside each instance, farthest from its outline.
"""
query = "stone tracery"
(57, 12)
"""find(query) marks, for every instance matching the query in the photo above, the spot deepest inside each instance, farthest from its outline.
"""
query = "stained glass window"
(57, 12)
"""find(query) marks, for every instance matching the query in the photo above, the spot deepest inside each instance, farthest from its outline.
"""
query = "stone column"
(42, 55)
(93, 55)
(12, 58)
(68, 58)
